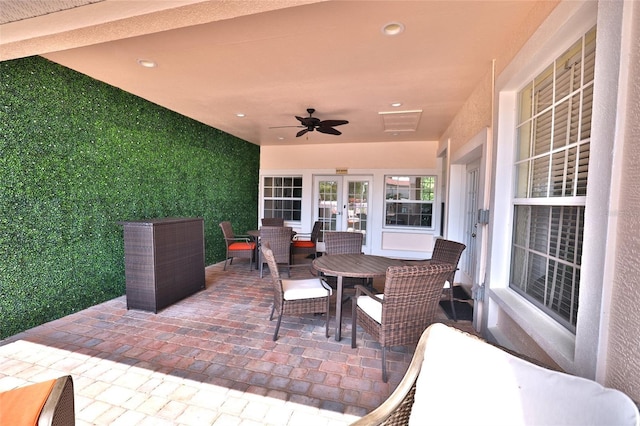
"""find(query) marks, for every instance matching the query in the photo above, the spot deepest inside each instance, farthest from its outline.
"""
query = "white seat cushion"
(501, 389)
(372, 307)
(305, 289)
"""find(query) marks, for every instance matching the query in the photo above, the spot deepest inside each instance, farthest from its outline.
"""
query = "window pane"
(583, 166)
(282, 197)
(526, 103)
(524, 141)
(542, 135)
(543, 91)
(409, 201)
(540, 177)
(552, 160)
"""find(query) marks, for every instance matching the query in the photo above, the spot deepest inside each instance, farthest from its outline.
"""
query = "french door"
(342, 203)
(469, 263)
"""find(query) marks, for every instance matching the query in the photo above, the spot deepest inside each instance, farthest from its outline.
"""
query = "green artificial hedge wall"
(76, 157)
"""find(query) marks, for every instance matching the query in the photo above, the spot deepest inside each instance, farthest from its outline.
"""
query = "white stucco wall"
(390, 155)
(622, 363)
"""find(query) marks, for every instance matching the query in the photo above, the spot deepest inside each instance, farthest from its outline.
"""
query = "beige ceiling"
(271, 60)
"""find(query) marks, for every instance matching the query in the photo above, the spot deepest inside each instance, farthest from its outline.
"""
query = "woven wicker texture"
(411, 299)
(272, 221)
(230, 238)
(291, 307)
(279, 240)
(60, 407)
(447, 251)
(344, 243)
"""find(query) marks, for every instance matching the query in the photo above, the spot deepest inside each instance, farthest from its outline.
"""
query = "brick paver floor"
(207, 360)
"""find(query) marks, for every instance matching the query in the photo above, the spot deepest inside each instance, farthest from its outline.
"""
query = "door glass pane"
(358, 194)
(327, 205)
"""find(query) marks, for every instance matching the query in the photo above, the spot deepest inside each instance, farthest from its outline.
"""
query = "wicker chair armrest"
(304, 235)
(246, 238)
(360, 289)
(397, 407)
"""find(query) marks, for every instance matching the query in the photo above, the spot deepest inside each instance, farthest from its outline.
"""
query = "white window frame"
(550, 279)
(566, 25)
(283, 197)
(390, 202)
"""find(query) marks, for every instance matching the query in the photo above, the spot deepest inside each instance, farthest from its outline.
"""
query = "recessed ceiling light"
(393, 28)
(240, 115)
(396, 104)
(147, 63)
(281, 138)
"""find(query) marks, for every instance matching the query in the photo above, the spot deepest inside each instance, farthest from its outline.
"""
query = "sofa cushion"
(22, 406)
(496, 388)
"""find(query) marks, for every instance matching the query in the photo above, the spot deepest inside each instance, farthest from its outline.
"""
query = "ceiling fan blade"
(333, 123)
(301, 132)
(329, 130)
(282, 127)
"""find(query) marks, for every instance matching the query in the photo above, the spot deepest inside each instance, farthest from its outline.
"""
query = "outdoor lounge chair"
(408, 306)
(45, 403)
(496, 388)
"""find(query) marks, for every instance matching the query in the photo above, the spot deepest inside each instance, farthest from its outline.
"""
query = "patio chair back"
(343, 242)
(279, 240)
(272, 221)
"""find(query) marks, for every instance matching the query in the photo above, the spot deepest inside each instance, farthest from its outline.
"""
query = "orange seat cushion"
(304, 244)
(242, 246)
(22, 406)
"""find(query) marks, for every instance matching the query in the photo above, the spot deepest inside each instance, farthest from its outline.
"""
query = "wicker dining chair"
(279, 240)
(296, 296)
(447, 251)
(338, 242)
(272, 221)
(405, 309)
(342, 242)
(240, 246)
(306, 244)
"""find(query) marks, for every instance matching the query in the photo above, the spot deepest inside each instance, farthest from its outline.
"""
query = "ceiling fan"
(310, 123)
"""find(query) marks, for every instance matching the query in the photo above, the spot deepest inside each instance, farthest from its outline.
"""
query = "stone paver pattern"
(207, 360)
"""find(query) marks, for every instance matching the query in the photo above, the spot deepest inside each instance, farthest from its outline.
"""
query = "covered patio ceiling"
(271, 60)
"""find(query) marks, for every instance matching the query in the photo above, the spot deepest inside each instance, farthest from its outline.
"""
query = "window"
(283, 197)
(552, 157)
(409, 201)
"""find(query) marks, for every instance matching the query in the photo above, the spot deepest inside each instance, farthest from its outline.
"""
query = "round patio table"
(352, 265)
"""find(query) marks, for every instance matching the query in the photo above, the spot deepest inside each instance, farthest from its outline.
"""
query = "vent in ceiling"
(401, 121)
(17, 10)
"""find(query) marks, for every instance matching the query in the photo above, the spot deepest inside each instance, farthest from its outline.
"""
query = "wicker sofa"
(490, 386)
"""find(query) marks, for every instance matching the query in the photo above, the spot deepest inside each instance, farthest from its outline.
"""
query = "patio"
(208, 359)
